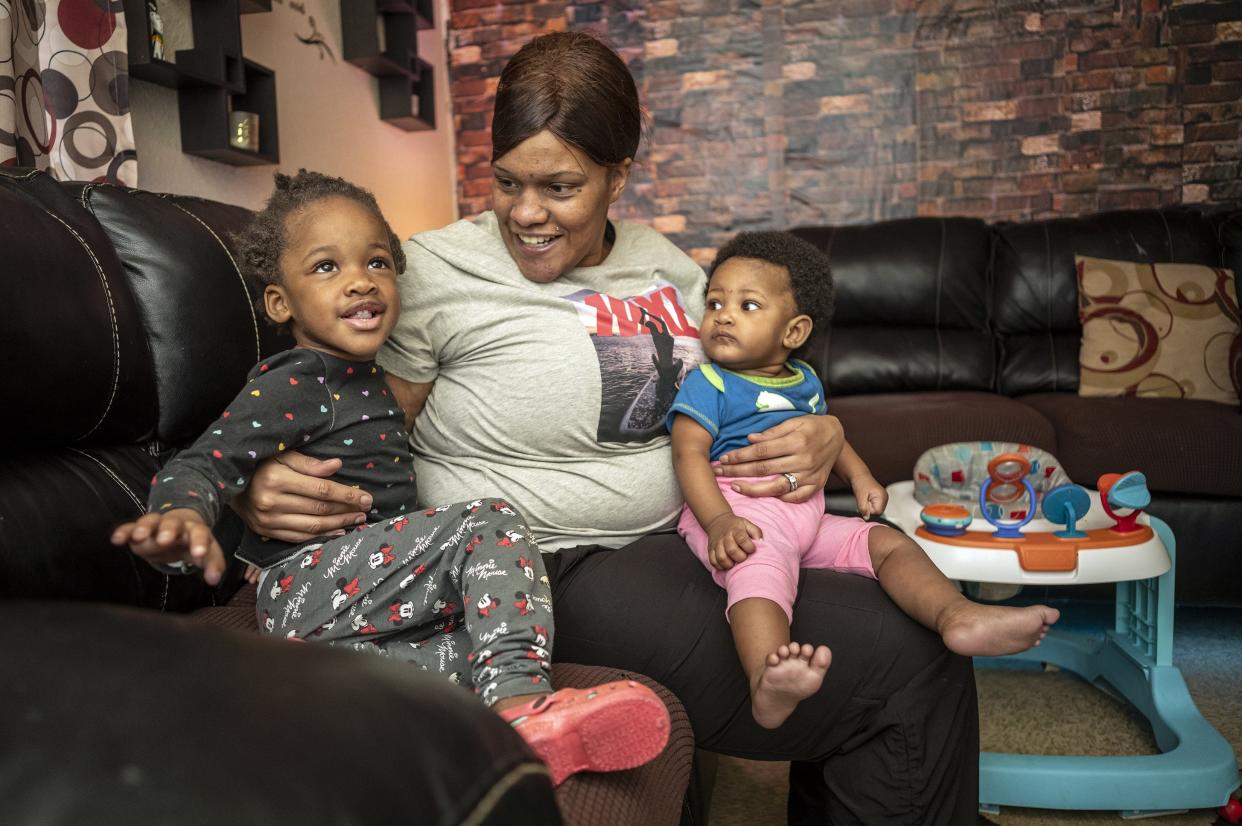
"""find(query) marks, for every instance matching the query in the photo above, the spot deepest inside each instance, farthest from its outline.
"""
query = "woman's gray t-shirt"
(548, 395)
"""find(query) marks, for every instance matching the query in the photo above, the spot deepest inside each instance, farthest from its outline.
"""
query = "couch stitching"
(86, 191)
(939, 295)
(116, 336)
(1168, 233)
(254, 320)
(484, 808)
(1052, 345)
(1220, 240)
(117, 479)
(133, 497)
(990, 325)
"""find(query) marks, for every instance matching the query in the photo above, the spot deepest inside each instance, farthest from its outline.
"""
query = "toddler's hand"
(177, 535)
(730, 540)
(871, 496)
(251, 575)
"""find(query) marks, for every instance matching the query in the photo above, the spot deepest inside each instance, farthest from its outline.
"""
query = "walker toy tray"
(1039, 557)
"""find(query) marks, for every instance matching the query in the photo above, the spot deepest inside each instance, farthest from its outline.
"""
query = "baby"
(765, 292)
(423, 586)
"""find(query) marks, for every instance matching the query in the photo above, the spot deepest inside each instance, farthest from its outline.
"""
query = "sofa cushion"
(77, 365)
(197, 310)
(911, 307)
(891, 430)
(118, 715)
(1035, 297)
(1163, 330)
(1182, 446)
(59, 509)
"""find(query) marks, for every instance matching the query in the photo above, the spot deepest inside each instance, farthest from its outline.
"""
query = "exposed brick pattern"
(773, 114)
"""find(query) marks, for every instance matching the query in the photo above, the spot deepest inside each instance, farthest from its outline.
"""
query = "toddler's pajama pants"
(459, 589)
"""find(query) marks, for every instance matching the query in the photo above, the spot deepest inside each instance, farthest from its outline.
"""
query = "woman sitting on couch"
(521, 352)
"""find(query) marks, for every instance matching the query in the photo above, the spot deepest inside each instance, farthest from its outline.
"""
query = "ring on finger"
(792, 480)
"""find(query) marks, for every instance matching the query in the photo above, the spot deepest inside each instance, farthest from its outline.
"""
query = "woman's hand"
(806, 446)
(177, 535)
(291, 499)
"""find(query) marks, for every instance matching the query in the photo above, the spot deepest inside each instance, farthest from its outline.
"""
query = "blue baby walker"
(972, 507)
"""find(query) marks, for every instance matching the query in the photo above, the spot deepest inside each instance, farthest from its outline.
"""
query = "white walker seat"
(972, 507)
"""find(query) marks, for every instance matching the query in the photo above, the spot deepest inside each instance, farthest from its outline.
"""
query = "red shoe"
(607, 728)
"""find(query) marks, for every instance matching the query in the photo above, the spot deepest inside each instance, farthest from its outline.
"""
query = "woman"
(513, 353)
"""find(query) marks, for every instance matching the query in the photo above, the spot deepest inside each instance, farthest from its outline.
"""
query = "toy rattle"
(1006, 481)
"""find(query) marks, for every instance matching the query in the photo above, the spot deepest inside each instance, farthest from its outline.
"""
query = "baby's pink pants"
(794, 536)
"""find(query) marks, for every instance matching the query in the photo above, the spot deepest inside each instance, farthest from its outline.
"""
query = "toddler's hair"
(810, 276)
(262, 242)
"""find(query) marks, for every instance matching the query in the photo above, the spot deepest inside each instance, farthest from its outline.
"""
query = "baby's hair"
(262, 242)
(810, 276)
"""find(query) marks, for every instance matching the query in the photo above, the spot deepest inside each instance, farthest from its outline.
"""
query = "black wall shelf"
(212, 79)
(205, 123)
(381, 37)
(409, 102)
(361, 41)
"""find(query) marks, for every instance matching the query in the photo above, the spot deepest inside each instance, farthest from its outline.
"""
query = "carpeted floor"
(1050, 713)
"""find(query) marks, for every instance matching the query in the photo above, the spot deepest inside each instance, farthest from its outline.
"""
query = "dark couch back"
(912, 307)
(953, 304)
(117, 296)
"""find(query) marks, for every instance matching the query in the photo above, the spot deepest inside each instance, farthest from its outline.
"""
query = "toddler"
(764, 293)
(458, 589)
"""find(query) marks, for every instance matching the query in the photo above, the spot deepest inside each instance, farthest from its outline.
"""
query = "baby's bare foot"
(975, 630)
(792, 673)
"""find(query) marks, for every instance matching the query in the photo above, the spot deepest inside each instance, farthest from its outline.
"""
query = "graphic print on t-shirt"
(645, 345)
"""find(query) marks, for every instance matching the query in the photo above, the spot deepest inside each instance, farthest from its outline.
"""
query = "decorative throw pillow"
(1166, 330)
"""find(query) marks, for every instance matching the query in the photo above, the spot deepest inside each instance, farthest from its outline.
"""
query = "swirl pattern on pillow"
(1164, 330)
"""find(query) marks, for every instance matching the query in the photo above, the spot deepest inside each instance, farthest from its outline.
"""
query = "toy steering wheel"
(1007, 481)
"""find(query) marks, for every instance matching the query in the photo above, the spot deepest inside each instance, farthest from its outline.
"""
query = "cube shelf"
(211, 80)
(381, 37)
(409, 102)
(205, 124)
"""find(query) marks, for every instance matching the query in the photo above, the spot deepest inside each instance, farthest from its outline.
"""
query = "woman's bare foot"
(975, 630)
(791, 674)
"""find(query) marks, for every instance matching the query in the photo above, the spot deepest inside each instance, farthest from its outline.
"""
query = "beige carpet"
(1045, 713)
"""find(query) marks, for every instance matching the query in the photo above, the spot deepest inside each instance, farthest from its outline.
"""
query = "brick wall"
(769, 114)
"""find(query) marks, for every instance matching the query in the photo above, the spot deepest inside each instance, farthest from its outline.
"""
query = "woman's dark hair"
(810, 276)
(577, 88)
(262, 242)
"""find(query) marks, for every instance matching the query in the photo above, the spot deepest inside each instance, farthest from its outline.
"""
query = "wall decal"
(316, 38)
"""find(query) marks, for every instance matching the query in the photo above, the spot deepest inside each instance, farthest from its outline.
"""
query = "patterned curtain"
(64, 89)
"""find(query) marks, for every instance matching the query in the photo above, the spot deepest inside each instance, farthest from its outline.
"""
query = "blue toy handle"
(1006, 531)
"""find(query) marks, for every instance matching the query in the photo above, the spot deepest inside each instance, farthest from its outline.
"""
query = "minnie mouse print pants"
(459, 589)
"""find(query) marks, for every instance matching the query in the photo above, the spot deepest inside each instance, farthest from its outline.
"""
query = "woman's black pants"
(891, 738)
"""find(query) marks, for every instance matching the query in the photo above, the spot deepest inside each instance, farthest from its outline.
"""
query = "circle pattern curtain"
(64, 90)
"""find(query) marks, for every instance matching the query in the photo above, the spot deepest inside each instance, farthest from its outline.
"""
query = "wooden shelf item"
(205, 118)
